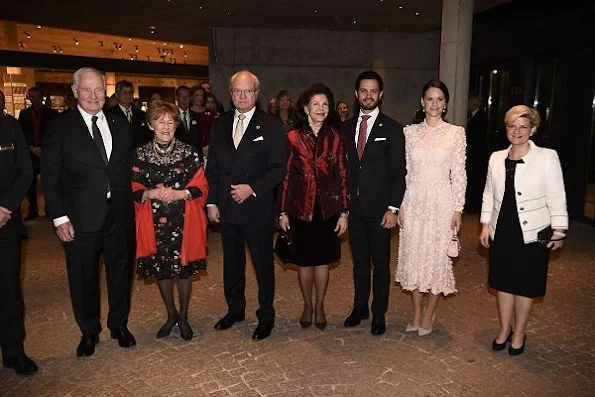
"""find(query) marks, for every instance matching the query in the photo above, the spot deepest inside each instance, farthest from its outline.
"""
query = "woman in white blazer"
(523, 199)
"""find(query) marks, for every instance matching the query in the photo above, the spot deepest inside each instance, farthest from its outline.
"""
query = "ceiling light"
(354, 21)
(76, 41)
(130, 39)
(21, 45)
(38, 26)
(417, 13)
(181, 45)
(400, 7)
(55, 49)
(28, 35)
(135, 48)
(100, 43)
(185, 55)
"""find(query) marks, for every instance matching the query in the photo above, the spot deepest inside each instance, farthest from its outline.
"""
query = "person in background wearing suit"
(376, 153)
(15, 179)
(524, 194)
(133, 115)
(247, 160)
(477, 128)
(34, 122)
(86, 166)
(189, 130)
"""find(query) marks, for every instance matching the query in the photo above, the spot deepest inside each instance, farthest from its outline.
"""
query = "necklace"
(164, 150)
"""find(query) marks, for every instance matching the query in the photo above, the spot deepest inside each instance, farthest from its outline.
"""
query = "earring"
(444, 110)
(423, 109)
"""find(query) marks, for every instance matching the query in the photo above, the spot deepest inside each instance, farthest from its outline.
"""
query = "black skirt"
(316, 243)
(515, 267)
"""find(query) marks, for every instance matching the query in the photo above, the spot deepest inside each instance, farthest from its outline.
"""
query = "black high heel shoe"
(166, 329)
(185, 331)
(321, 325)
(303, 323)
(501, 346)
(514, 351)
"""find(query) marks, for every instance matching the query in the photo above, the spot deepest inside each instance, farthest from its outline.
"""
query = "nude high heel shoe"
(423, 332)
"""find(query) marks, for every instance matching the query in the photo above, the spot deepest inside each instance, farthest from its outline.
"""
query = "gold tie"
(239, 131)
(128, 116)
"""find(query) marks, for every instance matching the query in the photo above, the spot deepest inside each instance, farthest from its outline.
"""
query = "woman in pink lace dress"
(432, 206)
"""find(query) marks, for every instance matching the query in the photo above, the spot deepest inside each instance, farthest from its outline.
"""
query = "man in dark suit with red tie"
(87, 187)
(376, 152)
(34, 121)
(247, 160)
(134, 116)
(189, 130)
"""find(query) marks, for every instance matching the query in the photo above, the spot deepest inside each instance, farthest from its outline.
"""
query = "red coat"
(315, 166)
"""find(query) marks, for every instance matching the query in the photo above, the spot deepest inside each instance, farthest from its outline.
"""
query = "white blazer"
(539, 192)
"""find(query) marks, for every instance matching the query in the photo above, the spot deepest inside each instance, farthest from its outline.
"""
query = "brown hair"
(159, 108)
(522, 111)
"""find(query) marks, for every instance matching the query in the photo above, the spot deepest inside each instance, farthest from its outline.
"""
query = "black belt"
(109, 201)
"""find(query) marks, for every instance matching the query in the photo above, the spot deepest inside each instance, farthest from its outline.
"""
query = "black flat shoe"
(514, 351)
(22, 364)
(124, 337)
(263, 330)
(355, 318)
(501, 346)
(378, 325)
(185, 331)
(166, 329)
(227, 321)
(87, 345)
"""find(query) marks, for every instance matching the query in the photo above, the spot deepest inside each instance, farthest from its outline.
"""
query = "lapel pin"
(380, 125)
(257, 127)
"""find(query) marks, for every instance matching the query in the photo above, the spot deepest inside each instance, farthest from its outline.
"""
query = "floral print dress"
(152, 169)
(436, 183)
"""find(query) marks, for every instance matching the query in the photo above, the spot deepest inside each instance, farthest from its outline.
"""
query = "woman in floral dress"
(432, 206)
(170, 192)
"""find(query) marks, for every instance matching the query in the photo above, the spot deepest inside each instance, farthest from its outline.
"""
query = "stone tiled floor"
(455, 360)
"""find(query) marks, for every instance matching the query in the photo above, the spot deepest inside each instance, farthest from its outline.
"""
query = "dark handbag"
(544, 236)
(284, 248)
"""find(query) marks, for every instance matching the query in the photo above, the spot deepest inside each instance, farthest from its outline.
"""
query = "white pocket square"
(260, 138)
(194, 122)
(379, 139)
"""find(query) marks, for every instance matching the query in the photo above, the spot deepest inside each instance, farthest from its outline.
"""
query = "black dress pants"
(82, 261)
(260, 243)
(370, 241)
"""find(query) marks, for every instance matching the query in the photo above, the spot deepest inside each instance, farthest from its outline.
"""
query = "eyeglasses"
(523, 128)
(238, 92)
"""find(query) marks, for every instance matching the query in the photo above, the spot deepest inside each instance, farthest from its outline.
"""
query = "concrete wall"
(292, 59)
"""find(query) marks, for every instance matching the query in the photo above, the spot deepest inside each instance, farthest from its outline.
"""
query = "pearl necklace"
(164, 152)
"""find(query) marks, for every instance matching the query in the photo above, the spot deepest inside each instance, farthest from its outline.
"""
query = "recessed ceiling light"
(130, 39)
(354, 21)
(400, 7)
(181, 45)
(28, 35)
(417, 13)
(38, 26)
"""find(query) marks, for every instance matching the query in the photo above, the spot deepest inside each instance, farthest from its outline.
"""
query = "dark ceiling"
(187, 21)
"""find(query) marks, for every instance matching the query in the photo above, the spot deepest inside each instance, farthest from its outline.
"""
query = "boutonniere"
(257, 127)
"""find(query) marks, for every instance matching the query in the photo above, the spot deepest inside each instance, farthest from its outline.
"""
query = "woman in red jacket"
(313, 200)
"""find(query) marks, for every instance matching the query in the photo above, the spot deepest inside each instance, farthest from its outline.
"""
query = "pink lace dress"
(436, 183)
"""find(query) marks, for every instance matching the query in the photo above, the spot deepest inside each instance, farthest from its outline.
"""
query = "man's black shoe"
(124, 337)
(355, 318)
(263, 330)
(21, 364)
(378, 325)
(227, 321)
(87, 344)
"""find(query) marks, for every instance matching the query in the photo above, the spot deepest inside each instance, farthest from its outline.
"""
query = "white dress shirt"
(187, 126)
(373, 116)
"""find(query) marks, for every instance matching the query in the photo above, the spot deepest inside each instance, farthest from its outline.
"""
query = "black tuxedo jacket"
(26, 121)
(378, 180)
(194, 135)
(16, 172)
(259, 161)
(75, 178)
(140, 130)
(476, 134)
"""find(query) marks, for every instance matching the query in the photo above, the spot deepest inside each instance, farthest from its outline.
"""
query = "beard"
(368, 105)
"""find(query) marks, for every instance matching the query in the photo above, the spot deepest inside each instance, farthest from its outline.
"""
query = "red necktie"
(363, 132)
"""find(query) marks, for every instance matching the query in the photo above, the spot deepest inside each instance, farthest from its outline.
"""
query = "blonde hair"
(159, 108)
(522, 111)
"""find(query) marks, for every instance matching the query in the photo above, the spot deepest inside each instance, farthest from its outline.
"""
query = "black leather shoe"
(263, 330)
(31, 216)
(514, 351)
(165, 330)
(378, 325)
(501, 346)
(227, 321)
(124, 337)
(355, 318)
(185, 331)
(87, 345)
(22, 364)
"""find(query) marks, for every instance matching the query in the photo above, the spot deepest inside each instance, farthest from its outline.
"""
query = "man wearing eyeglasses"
(247, 160)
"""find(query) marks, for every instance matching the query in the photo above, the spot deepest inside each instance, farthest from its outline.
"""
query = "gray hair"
(76, 77)
(247, 73)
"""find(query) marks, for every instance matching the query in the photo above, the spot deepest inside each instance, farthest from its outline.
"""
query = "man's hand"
(213, 213)
(5, 215)
(65, 232)
(241, 193)
(389, 220)
(36, 151)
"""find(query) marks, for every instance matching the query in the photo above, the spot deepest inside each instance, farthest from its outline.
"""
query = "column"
(455, 55)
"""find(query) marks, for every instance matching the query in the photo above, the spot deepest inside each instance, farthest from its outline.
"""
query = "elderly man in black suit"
(376, 152)
(34, 121)
(135, 117)
(189, 130)
(15, 178)
(247, 160)
(89, 194)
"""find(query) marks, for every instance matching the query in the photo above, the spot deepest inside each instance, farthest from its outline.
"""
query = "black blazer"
(378, 180)
(194, 135)
(16, 172)
(26, 121)
(75, 178)
(260, 161)
(476, 134)
(140, 130)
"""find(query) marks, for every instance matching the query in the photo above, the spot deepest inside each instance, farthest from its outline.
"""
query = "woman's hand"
(557, 241)
(341, 225)
(170, 195)
(484, 236)
(401, 217)
(456, 222)
(284, 222)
